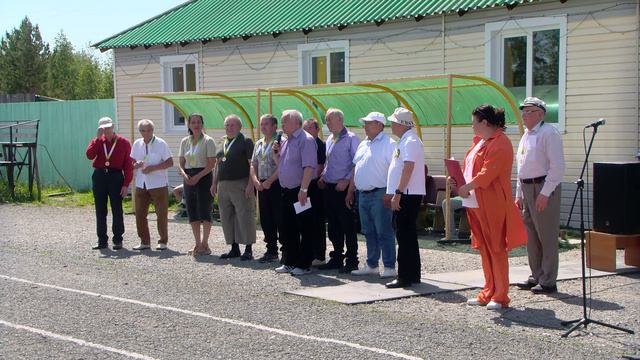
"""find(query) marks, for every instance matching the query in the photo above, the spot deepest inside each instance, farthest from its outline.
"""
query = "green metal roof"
(427, 98)
(201, 20)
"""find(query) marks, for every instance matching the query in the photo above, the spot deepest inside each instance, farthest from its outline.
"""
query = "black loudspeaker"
(616, 197)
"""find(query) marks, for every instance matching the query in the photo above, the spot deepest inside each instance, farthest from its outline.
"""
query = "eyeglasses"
(530, 111)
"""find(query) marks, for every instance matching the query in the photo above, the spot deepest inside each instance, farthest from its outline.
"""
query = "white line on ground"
(77, 341)
(220, 319)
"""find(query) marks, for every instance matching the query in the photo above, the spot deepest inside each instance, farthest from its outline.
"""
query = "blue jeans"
(377, 228)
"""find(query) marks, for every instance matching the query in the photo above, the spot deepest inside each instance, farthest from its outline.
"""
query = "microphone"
(595, 124)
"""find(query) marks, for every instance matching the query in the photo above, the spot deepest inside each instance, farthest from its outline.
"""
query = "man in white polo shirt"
(405, 181)
(151, 157)
(372, 161)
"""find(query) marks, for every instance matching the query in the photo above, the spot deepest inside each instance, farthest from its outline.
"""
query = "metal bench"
(19, 143)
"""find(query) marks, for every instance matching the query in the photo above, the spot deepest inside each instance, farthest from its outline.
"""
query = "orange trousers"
(495, 263)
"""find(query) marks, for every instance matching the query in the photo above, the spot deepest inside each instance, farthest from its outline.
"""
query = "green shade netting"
(427, 97)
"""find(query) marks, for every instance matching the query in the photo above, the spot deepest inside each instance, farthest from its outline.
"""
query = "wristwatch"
(303, 190)
(399, 192)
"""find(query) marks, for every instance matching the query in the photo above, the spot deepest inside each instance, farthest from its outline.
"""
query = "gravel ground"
(179, 307)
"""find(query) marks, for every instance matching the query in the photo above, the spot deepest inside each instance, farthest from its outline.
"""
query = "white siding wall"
(602, 71)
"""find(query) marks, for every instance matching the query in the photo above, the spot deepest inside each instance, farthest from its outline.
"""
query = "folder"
(455, 172)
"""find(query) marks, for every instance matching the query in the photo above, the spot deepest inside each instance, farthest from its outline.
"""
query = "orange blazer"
(492, 176)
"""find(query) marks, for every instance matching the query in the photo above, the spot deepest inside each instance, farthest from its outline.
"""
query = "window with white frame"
(323, 63)
(528, 56)
(179, 73)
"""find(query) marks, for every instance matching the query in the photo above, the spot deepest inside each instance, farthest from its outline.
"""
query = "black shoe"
(332, 264)
(526, 285)
(99, 246)
(398, 283)
(347, 269)
(268, 257)
(247, 255)
(230, 254)
(117, 246)
(541, 289)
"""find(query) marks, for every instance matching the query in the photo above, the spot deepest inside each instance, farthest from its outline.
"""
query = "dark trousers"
(107, 186)
(296, 232)
(342, 227)
(408, 251)
(319, 221)
(270, 215)
(198, 197)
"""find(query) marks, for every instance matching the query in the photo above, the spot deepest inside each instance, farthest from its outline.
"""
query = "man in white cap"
(113, 172)
(152, 158)
(540, 171)
(372, 161)
(405, 181)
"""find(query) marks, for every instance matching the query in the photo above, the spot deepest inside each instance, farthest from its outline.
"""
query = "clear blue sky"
(84, 22)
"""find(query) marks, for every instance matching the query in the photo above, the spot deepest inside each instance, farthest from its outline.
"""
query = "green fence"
(66, 127)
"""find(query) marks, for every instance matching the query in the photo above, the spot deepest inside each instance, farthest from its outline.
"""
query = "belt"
(107, 170)
(370, 191)
(537, 180)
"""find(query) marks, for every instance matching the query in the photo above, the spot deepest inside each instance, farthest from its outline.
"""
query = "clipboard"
(453, 167)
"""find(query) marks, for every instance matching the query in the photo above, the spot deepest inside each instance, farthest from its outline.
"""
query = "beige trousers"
(237, 213)
(543, 229)
(160, 199)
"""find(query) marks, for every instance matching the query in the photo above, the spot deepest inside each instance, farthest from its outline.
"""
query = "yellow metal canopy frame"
(436, 101)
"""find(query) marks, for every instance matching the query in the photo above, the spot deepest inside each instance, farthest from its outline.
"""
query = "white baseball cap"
(374, 116)
(105, 122)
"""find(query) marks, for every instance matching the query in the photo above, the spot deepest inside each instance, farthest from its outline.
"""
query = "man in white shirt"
(540, 171)
(372, 161)
(152, 158)
(405, 181)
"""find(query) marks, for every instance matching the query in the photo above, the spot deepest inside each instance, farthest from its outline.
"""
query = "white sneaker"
(161, 246)
(388, 273)
(317, 262)
(492, 305)
(284, 269)
(475, 302)
(141, 247)
(300, 271)
(366, 270)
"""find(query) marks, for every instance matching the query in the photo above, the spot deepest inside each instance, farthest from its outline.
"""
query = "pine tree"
(23, 57)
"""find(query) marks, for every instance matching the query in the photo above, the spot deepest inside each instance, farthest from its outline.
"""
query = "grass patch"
(63, 197)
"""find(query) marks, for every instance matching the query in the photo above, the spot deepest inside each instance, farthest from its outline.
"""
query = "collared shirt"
(154, 153)
(471, 201)
(234, 165)
(372, 161)
(409, 148)
(119, 159)
(340, 153)
(540, 153)
(262, 159)
(298, 151)
(196, 155)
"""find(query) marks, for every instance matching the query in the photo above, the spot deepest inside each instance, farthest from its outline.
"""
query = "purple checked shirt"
(297, 152)
(340, 153)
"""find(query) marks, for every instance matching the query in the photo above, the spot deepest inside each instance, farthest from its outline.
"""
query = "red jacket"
(120, 158)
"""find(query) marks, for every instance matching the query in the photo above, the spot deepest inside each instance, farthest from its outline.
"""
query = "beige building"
(581, 57)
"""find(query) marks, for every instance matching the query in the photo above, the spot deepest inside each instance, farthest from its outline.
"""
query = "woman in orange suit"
(496, 225)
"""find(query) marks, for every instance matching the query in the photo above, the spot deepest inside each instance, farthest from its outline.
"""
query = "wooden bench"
(601, 250)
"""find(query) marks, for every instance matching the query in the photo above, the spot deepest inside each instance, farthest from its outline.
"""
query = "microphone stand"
(585, 320)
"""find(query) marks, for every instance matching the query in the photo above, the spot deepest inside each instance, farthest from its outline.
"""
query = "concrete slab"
(371, 290)
(365, 292)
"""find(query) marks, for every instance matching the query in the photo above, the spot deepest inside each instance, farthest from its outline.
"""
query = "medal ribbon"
(108, 155)
(227, 146)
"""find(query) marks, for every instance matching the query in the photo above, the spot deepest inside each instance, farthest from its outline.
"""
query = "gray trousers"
(237, 213)
(543, 229)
